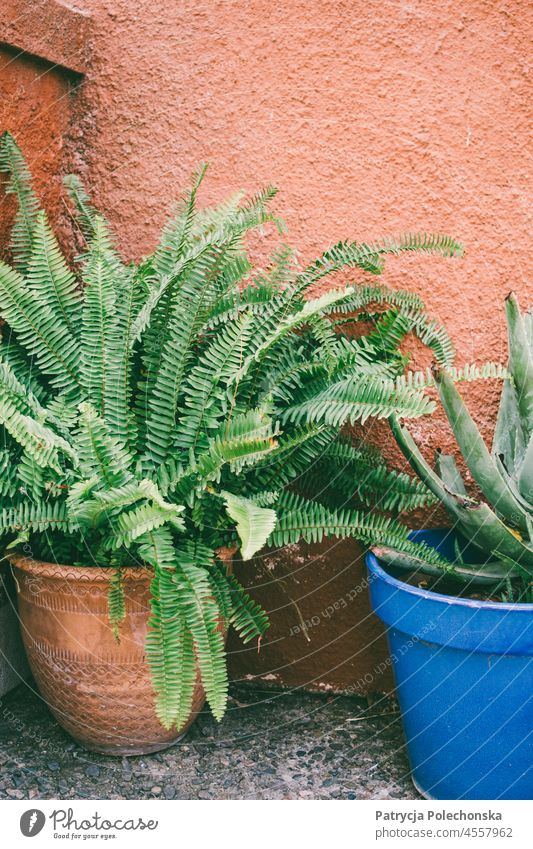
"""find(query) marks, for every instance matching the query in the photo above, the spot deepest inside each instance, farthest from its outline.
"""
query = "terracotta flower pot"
(98, 689)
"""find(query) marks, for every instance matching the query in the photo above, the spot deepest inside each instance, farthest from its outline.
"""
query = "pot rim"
(42, 568)
(378, 572)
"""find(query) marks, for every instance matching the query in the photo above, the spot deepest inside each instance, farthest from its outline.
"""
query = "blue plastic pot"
(464, 676)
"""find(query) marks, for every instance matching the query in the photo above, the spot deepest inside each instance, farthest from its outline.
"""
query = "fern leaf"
(205, 390)
(342, 255)
(240, 442)
(169, 645)
(19, 393)
(369, 256)
(36, 518)
(390, 330)
(221, 591)
(176, 233)
(466, 374)
(254, 523)
(117, 390)
(248, 618)
(115, 602)
(98, 317)
(55, 350)
(290, 323)
(22, 364)
(203, 620)
(353, 399)
(51, 279)
(176, 355)
(139, 521)
(20, 184)
(377, 294)
(294, 455)
(344, 473)
(100, 453)
(302, 519)
(39, 441)
(85, 213)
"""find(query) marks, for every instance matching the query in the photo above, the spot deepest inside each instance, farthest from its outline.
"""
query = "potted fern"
(155, 418)
(465, 684)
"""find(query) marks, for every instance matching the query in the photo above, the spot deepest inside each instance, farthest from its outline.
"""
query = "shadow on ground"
(271, 745)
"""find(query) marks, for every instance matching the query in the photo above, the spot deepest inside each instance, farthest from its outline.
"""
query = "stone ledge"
(48, 29)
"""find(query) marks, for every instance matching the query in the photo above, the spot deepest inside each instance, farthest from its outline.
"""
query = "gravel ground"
(271, 745)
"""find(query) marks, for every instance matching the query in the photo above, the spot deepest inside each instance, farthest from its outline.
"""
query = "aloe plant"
(154, 413)
(500, 522)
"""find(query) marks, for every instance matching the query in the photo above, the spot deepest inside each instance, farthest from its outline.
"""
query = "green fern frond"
(254, 524)
(221, 591)
(378, 294)
(89, 504)
(187, 316)
(290, 323)
(119, 363)
(435, 336)
(36, 518)
(205, 399)
(39, 441)
(431, 243)
(163, 410)
(295, 454)
(248, 618)
(240, 442)
(302, 519)
(51, 279)
(352, 400)
(369, 256)
(19, 393)
(390, 330)
(169, 645)
(85, 212)
(176, 233)
(342, 255)
(344, 473)
(55, 351)
(139, 521)
(281, 271)
(203, 620)
(9, 480)
(252, 300)
(411, 316)
(22, 364)
(98, 317)
(101, 454)
(13, 163)
(115, 602)
(466, 374)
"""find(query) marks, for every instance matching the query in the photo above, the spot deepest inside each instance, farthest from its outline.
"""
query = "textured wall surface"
(35, 105)
(49, 29)
(43, 51)
(373, 118)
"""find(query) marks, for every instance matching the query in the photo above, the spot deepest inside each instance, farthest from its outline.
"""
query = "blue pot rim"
(376, 569)
(489, 627)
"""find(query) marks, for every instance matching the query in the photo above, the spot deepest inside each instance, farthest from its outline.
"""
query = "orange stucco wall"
(373, 118)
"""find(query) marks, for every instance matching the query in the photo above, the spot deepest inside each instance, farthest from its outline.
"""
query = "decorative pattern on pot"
(98, 689)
